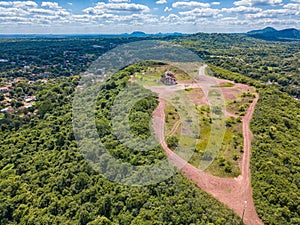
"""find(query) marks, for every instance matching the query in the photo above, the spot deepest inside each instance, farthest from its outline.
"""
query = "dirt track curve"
(236, 193)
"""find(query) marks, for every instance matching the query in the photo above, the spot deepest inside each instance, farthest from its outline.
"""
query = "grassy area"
(181, 113)
(226, 163)
(180, 75)
(241, 104)
(204, 134)
(224, 85)
(150, 77)
(172, 121)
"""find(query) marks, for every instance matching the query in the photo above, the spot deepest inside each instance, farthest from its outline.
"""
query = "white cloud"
(274, 13)
(229, 18)
(40, 11)
(242, 9)
(13, 12)
(13, 19)
(5, 4)
(118, 1)
(29, 12)
(292, 6)
(133, 18)
(63, 13)
(191, 4)
(113, 15)
(93, 11)
(167, 9)
(201, 12)
(19, 4)
(172, 18)
(108, 18)
(257, 2)
(26, 4)
(161, 2)
(102, 7)
(51, 5)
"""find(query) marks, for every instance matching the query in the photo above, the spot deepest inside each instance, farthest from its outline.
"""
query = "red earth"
(236, 193)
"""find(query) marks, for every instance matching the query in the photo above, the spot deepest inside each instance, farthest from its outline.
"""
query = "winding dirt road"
(236, 193)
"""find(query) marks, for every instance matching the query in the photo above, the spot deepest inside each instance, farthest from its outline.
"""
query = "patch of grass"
(180, 75)
(226, 163)
(172, 119)
(241, 104)
(186, 146)
(204, 134)
(148, 78)
(224, 85)
(201, 145)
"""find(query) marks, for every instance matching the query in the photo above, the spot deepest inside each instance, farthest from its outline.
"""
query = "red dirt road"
(236, 193)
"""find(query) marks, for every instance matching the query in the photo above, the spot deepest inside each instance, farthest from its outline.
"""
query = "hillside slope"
(269, 33)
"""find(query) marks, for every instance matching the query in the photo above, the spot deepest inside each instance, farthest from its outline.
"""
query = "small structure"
(4, 90)
(7, 110)
(28, 106)
(168, 78)
(30, 99)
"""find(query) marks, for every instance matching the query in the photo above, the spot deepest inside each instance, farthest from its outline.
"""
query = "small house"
(168, 78)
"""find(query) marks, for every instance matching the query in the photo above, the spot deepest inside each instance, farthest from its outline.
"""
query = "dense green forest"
(275, 163)
(63, 57)
(44, 179)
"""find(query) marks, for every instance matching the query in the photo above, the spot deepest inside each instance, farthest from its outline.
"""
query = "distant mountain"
(266, 30)
(270, 33)
(138, 34)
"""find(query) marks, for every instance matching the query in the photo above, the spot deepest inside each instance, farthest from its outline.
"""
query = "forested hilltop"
(45, 180)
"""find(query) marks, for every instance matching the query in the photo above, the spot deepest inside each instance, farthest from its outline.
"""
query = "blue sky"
(120, 16)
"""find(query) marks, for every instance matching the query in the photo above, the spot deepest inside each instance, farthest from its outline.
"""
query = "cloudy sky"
(120, 16)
